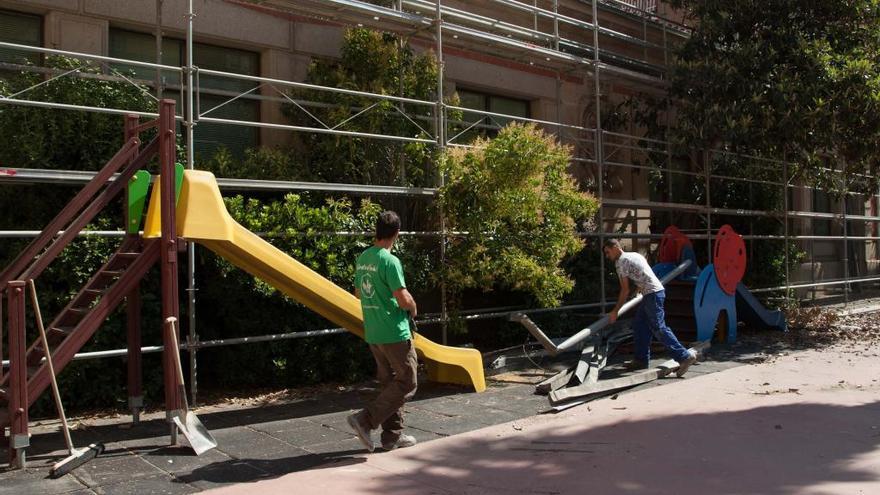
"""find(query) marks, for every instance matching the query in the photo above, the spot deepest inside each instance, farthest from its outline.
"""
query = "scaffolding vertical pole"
(669, 195)
(401, 155)
(19, 440)
(535, 14)
(708, 173)
(133, 308)
(441, 147)
(600, 159)
(555, 26)
(1, 345)
(159, 48)
(843, 201)
(785, 228)
(192, 338)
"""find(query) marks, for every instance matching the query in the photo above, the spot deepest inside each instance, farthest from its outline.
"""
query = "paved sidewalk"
(804, 423)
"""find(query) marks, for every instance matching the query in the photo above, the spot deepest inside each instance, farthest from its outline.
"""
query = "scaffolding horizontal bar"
(316, 130)
(273, 185)
(72, 177)
(301, 85)
(822, 283)
(87, 56)
(81, 108)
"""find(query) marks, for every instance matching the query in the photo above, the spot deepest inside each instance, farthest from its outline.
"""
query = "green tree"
(517, 208)
(782, 78)
(378, 63)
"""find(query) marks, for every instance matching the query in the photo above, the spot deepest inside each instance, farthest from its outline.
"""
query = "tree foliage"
(378, 63)
(782, 78)
(519, 207)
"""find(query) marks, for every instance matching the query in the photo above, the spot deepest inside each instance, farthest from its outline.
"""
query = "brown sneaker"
(684, 365)
(403, 441)
(364, 434)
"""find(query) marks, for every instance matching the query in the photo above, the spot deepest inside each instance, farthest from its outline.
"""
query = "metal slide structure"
(202, 217)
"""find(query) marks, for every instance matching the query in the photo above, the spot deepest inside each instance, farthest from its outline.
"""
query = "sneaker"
(686, 363)
(403, 441)
(364, 434)
(636, 365)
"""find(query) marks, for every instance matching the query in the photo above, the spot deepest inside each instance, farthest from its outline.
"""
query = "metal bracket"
(21, 441)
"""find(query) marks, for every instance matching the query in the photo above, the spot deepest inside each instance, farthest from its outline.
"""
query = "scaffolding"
(564, 38)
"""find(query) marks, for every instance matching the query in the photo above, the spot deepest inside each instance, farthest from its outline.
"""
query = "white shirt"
(635, 267)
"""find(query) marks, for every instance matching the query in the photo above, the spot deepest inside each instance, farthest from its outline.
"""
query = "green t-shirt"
(377, 275)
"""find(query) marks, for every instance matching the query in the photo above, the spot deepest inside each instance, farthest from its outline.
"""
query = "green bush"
(519, 207)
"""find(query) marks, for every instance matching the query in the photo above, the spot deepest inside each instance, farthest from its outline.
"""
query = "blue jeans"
(649, 322)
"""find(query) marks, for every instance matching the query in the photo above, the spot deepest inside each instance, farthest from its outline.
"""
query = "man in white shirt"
(650, 319)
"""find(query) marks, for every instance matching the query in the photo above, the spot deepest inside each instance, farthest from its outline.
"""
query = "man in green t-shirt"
(380, 286)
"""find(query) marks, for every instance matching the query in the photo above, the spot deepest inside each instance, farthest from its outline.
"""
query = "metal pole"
(169, 254)
(192, 337)
(599, 151)
(441, 147)
(19, 439)
(555, 25)
(785, 219)
(846, 286)
(159, 48)
(708, 172)
(133, 309)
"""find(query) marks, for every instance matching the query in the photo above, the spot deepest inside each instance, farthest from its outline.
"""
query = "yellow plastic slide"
(202, 217)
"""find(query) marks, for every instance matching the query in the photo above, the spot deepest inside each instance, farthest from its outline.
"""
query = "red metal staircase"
(84, 314)
(117, 279)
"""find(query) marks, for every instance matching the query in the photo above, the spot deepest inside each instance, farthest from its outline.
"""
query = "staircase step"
(32, 370)
(79, 310)
(61, 332)
(128, 255)
(3, 395)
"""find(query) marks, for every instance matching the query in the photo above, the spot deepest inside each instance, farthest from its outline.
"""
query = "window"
(21, 29)
(488, 125)
(213, 90)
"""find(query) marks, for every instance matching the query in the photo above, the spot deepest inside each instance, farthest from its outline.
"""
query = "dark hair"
(387, 225)
(611, 243)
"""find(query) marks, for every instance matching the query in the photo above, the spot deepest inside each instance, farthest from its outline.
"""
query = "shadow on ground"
(768, 450)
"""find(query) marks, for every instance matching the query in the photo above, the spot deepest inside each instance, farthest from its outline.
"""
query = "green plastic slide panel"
(178, 181)
(137, 195)
(138, 188)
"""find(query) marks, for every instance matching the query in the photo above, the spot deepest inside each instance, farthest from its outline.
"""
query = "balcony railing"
(646, 5)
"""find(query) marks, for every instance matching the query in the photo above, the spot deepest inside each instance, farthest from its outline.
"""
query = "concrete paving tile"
(313, 435)
(349, 446)
(445, 427)
(245, 443)
(182, 459)
(446, 407)
(108, 471)
(35, 482)
(281, 425)
(223, 473)
(161, 484)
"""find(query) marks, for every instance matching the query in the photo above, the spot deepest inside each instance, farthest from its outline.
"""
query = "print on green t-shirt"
(377, 275)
